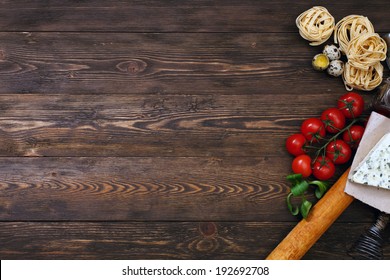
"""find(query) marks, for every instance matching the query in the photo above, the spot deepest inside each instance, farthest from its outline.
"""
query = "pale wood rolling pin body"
(321, 217)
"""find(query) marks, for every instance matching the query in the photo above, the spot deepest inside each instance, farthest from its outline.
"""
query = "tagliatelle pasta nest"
(349, 28)
(356, 78)
(357, 39)
(366, 50)
(315, 25)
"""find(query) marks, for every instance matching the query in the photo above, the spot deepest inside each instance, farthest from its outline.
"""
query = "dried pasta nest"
(356, 78)
(315, 25)
(349, 28)
(357, 39)
(366, 50)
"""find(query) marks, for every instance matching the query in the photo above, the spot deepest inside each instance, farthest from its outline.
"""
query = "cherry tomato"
(302, 165)
(313, 129)
(295, 144)
(354, 135)
(333, 119)
(338, 151)
(323, 168)
(351, 105)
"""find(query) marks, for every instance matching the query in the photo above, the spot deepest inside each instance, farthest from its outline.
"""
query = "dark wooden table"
(156, 129)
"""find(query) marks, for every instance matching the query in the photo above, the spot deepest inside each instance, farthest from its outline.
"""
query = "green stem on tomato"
(328, 123)
(300, 186)
(333, 138)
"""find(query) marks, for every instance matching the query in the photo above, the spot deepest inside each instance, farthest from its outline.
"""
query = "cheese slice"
(374, 170)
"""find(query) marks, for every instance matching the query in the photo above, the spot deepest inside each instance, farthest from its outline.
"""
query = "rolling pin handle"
(303, 236)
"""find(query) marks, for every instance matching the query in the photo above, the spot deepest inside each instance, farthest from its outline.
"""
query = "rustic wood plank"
(172, 188)
(185, 94)
(141, 188)
(153, 125)
(117, 63)
(170, 240)
(163, 240)
(340, 238)
(175, 16)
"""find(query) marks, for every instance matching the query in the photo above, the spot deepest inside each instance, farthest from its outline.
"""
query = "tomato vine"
(322, 144)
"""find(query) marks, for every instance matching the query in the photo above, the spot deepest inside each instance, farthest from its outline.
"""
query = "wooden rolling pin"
(295, 245)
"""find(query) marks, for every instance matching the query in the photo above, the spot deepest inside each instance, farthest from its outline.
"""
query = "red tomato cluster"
(328, 140)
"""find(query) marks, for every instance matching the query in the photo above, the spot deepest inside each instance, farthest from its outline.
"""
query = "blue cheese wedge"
(374, 170)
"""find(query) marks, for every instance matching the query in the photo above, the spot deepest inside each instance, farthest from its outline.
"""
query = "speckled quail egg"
(332, 52)
(336, 68)
(320, 62)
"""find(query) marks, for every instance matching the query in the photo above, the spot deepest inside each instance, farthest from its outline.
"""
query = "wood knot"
(207, 245)
(2, 55)
(208, 229)
(133, 66)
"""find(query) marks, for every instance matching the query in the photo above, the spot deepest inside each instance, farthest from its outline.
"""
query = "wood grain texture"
(163, 240)
(141, 189)
(152, 125)
(174, 16)
(160, 63)
(155, 129)
(152, 188)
